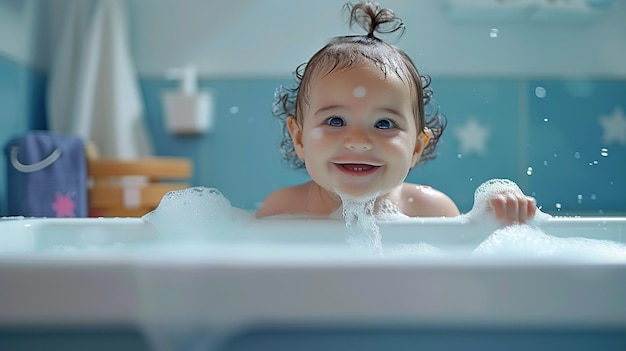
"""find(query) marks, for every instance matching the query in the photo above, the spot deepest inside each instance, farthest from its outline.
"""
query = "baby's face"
(358, 135)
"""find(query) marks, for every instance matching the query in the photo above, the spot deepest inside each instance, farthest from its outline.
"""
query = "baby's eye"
(385, 124)
(335, 121)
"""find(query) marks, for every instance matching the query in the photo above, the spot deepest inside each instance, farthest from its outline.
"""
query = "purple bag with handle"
(46, 175)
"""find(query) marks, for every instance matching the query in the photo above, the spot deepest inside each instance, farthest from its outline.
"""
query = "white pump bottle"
(188, 111)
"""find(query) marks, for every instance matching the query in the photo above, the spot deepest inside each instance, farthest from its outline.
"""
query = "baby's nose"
(358, 142)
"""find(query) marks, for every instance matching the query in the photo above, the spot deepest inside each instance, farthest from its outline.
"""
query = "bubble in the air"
(604, 152)
(577, 155)
(540, 92)
(545, 120)
(493, 33)
(234, 110)
(459, 156)
(580, 198)
(529, 171)
(592, 197)
(545, 162)
(558, 206)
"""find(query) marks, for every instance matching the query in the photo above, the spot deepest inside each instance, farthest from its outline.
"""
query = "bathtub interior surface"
(270, 287)
(261, 237)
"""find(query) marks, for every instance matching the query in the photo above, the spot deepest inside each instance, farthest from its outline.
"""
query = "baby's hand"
(513, 207)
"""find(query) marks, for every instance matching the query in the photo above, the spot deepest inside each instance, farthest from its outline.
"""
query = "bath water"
(196, 217)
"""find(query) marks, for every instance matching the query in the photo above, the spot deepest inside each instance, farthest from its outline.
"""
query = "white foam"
(482, 211)
(359, 92)
(361, 223)
(529, 242)
(196, 213)
(417, 250)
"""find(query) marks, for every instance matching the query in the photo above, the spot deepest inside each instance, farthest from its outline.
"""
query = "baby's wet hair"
(346, 51)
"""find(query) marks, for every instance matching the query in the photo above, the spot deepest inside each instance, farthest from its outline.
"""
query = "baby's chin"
(357, 196)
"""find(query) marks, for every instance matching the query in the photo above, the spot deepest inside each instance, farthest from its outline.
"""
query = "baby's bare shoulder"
(282, 201)
(425, 201)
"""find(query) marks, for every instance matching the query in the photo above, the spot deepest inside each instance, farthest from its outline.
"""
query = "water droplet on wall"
(529, 171)
(604, 152)
(493, 33)
(540, 92)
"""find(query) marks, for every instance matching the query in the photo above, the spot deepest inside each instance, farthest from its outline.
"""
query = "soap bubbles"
(196, 213)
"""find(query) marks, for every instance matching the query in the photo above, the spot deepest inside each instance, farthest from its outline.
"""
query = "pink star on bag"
(64, 205)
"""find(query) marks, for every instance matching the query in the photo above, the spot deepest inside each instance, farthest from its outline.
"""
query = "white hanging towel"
(63, 77)
(104, 99)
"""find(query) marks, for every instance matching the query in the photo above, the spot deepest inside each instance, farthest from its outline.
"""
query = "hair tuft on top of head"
(374, 19)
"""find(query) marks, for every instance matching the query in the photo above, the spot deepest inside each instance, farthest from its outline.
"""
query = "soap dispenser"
(188, 111)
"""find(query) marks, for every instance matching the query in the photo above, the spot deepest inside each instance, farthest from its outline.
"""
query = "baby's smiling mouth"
(357, 168)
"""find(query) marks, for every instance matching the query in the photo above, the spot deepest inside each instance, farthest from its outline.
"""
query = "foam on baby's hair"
(196, 213)
(481, 211)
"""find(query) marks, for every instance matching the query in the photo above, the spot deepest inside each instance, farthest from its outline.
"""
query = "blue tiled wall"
(555, 130)
(22, 108)
(573, 165)
(493, 104)
(240, 157)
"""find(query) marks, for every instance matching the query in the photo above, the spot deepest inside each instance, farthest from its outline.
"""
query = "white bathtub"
(293, 284)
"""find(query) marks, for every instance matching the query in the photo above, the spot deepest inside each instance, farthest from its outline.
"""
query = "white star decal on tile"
(614, 126)
(472, 137)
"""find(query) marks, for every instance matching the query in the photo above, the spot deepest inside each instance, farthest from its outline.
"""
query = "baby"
(356, 122)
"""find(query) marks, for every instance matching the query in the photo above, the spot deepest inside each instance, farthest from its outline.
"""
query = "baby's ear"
(295, 130)
(420, 144)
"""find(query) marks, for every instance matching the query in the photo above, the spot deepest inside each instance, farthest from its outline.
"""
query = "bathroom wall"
(479, 74)
(22, 77)
(536, 91)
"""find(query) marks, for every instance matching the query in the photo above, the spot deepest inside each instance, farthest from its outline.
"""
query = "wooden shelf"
(132, 188)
